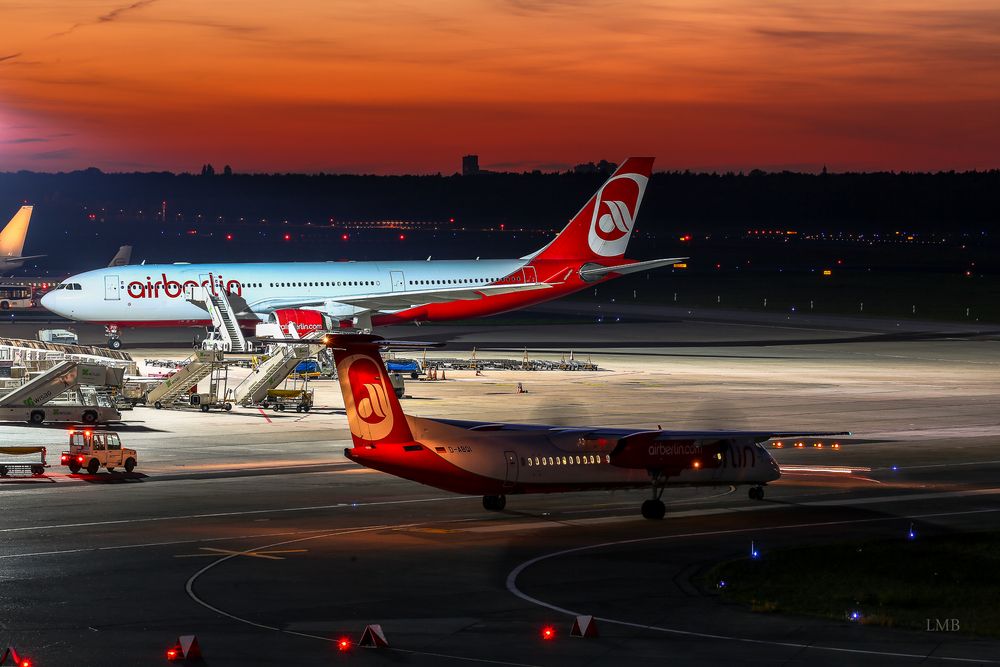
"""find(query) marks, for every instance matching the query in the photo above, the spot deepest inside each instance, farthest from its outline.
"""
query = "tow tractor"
(91, 450)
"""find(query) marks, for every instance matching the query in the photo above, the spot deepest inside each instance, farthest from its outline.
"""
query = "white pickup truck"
(92, 450)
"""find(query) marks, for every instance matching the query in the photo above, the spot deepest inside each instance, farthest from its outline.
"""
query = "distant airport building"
(470, 165)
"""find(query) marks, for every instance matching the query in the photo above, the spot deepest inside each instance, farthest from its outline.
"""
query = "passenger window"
(578, 459)
(529, 461)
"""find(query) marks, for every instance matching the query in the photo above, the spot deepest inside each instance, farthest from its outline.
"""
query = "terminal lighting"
(912, 533)
(855, 616)
(754, 554)
(827, 272)
(721, 584)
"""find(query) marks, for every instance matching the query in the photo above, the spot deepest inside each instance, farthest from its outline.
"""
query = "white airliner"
(330, 295)
(12, 240)
(495, 460)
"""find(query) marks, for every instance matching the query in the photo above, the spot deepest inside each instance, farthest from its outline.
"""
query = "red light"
(451, 219)
(344, 237)
(172, 654)
(402, 237)
(548, 633)
(80, 459)
(25, 663)
(288, 237)
(229, 237)
(685, 238)
(344, 644)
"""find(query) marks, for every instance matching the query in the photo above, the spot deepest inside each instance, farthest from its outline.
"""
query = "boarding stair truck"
(193, 370)
(22, 459)
(94, 450)
(273, 371)
(55, 395)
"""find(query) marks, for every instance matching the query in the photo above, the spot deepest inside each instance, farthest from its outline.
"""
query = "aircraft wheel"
(93, 466)
(653, 509)
(129, 464)
(115, 343)
(756, 493)
(494, 503)
(74, 467)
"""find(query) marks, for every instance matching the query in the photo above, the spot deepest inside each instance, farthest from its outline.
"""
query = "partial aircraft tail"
(122, 257)
(603, 227)
(373, 411)
(12, 236)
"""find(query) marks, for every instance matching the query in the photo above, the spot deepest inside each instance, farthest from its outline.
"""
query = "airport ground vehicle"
(61, 336)
(15, 296)
(206, 402)
(308, 369)
(93, 450)
(9, 464)
(51, 412)
(279, 399)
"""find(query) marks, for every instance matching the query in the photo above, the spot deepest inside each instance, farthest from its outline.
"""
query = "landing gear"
(654, 507)
(494, 503)
(756, 493)
(114, 340)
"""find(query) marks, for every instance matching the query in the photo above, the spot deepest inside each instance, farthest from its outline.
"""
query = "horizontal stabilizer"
(596, 272)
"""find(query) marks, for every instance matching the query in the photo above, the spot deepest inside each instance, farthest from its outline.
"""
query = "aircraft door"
(111, 288)
(398, 281)
(530, 275)
(510, 477)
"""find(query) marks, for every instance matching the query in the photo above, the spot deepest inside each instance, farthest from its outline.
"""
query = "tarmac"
(251, 530)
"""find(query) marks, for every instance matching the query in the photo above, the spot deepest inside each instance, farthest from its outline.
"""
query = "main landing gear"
(114, 340)
(494, 503)
(654, 507)
(756, 493)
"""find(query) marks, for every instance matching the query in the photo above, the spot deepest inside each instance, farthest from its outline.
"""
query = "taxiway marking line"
(512, 587)
(189, 587)
(216, 515)
(267, 555)
(264, 415)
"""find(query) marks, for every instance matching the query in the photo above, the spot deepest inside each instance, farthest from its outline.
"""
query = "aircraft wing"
(594, 271)
(652, 435)
(19, 258)
(398, 300)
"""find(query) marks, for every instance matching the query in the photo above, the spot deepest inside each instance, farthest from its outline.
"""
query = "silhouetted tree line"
(953, 201)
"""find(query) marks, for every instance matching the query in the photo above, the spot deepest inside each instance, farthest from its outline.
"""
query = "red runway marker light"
(288, 237)
(344, 644)
(548, 632)
(402, 237)
(173, 654)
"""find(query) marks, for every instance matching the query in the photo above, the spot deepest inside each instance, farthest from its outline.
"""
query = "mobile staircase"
(225, 322)
(35, 400)
(195, 368)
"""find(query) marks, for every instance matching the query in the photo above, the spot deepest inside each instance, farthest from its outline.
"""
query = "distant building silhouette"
(602, 167)
(470, 165)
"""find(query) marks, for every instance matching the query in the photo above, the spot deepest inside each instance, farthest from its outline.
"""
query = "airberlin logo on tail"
(615, 208)
(371, 417)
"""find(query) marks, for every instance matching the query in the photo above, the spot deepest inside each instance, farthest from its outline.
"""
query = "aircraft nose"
(50, 302)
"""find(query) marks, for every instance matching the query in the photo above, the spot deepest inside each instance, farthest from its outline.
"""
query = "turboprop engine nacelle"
(647, 450)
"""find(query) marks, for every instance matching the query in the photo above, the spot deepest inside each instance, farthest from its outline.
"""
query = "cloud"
(24, 140)
(59, 154)
(113, 15)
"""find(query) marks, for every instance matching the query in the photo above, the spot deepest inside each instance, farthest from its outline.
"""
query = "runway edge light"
(584, 626)
(186, 648)
(373, 637)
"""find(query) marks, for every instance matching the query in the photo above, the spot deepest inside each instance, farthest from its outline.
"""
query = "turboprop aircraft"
(495, 460)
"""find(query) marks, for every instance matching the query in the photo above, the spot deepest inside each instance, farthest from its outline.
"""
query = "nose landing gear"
(654, 508)
(756, 493)
(114, 340)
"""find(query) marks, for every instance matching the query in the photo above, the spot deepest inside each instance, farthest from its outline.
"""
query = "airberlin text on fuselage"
(173, 289)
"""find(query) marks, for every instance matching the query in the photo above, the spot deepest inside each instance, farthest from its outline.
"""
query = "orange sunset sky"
(410, 86)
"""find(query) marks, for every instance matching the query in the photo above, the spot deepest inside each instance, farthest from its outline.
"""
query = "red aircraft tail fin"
(373, 411)
(603, 227)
